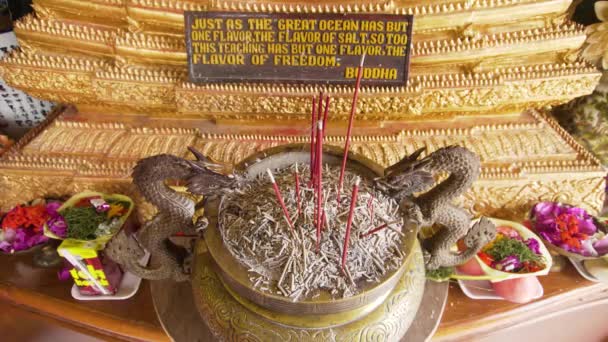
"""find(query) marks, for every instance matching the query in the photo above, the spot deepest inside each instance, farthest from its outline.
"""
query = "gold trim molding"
(139, 47)
(166, 16)
(523, 161)
(95, 85)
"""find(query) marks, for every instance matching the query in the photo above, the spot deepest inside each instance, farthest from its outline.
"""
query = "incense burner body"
(402, 181)
(234, 275)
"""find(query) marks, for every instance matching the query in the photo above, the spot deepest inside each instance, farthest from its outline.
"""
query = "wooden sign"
(298, 47)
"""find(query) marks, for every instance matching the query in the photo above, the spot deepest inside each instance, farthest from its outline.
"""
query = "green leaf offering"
(82, 222)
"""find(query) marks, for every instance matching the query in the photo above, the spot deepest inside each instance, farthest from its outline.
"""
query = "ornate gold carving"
(525, 160)
(513, 199)
(55, 34)
(227, 318)
(167, 16)
(161, 90)
(106, 12)
(97, 39)
(436, 90)
(511, 39)
(148, 48)
(521, 143)
(424, 104)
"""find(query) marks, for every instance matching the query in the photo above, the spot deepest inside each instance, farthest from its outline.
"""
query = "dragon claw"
(201, 224)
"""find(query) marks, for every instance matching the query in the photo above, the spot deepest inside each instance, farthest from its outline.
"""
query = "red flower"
(30, 217)
(486, 258)
(567, 224)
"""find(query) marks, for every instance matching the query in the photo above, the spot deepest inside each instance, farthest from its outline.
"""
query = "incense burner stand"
(227, 317)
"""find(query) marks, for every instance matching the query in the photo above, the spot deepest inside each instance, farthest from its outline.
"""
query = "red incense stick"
(319, 117)
(353, 109)
(320, 108)
(297, 178)
(353, 203)
(280, 199)
(312, 137)
(318, 179)
(377, 229)
(325, 114)
(380, 227)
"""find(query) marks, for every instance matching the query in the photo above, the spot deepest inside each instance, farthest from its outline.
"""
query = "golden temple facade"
(482, 75)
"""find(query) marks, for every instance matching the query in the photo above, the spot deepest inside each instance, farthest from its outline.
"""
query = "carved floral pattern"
(230, 320)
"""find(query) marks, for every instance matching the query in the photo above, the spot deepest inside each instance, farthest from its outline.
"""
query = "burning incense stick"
(318, 178)
(312, 137)
(353, 203)
(280, 199)
(297, 180)
(353, 109)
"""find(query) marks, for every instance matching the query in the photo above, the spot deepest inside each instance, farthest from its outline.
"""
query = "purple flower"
(564, 226)
(587, 226)
(9, 234)
(56, 222)
(508, 264)
(601, 246)
(52, 207)
(5, 246)
(533, 245)
(587, 248)
(21, 239)
(58, 226)
(64, 273)
(544, 209)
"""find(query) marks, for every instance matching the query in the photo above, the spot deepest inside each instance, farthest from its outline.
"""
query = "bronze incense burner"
(234, 275)
(204, 177)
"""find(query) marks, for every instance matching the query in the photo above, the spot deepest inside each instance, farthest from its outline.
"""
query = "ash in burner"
(257, 234)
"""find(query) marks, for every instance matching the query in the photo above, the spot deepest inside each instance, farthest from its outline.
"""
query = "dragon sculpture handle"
(411, 175)
(204, 177)
(175, 213)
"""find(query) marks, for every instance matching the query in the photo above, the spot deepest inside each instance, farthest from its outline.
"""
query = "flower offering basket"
(495, 275)
(102, 240)
(92, 273)
(599, 223)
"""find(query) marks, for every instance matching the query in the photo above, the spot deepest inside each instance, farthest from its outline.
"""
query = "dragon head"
(209, 177)
(407, 176)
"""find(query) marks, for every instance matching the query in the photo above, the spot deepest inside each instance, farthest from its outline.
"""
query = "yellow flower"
(115, 210)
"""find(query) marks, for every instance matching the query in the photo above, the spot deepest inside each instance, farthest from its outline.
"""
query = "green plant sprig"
(82, 222)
